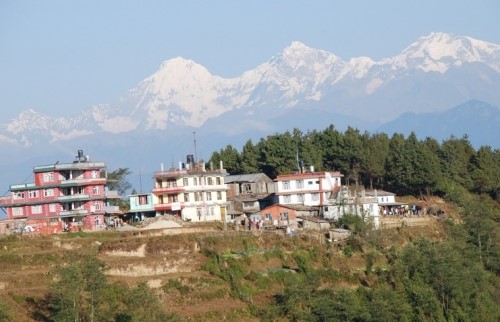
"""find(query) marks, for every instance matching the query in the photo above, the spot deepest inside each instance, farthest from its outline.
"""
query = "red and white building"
(63, 197)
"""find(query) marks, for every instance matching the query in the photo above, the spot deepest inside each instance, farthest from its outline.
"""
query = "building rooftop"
(252, 177)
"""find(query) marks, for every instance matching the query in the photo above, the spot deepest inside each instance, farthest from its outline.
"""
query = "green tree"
(249, 158)
(456, 155)
(143, 305)
(396, 164)
(377, 149)
(329, 142)
(352, 155)
(485, 168)
(230, 158)
(117, 181)
(77, 291)
(277, 154)
(311, 152)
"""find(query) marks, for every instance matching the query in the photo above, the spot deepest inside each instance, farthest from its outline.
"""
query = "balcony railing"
(72, 213)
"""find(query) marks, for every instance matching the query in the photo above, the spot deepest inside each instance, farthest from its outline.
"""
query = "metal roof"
(253, 177)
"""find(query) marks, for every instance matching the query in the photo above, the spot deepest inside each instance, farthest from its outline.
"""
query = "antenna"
(195, 153)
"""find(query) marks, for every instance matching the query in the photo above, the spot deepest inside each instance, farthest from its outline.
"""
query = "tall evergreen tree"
(377, 149)
(249, 158)
(455, 157)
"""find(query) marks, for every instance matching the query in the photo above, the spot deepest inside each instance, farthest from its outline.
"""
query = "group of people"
(402, 210)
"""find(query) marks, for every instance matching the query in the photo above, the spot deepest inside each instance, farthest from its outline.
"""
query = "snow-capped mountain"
(436, 72)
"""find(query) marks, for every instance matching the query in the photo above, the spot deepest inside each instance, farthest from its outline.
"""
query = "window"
(52, 207)
(185, 182)
(285, 215)
(210, 181)
(299, 184)
(96, 190)
(209, 196)
(186, 197)
(212, 211)
(219, 195)
(248, 204)
(143, 200)
(48, 192)
(268, 217)
(172, 198)
(33, 194)
(285, 185)
(287, 199)
(48, 177)
(314, 196)
(197, 196)
(198, 213)
(97, 205)
(94, 174)
(17, 211)
(195, 181)
(36, 209)
(77, 174)
(300, 198)
(218, 181)
(18, 195)
(309, 182)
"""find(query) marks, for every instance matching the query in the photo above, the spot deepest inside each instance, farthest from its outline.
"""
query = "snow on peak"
(298, 54)
(28, 120)
(439, 51)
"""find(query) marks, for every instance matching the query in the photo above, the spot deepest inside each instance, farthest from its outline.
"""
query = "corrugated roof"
(252, 177)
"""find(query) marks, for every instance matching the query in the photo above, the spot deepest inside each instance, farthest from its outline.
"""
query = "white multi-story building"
(318, 189)
(191, 192)
(324, 191)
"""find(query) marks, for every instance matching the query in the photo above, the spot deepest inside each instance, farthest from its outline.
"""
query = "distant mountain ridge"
(477, 120)
(435, 72)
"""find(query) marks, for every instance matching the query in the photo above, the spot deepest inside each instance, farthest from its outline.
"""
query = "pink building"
(63, 197)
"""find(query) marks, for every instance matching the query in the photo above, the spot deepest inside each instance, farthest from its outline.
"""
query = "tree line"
(404, 165)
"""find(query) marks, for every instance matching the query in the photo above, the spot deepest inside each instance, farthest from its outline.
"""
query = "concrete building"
(63, 197)
(319, 190)
(141, 206)
(247, 194)
(191, 192)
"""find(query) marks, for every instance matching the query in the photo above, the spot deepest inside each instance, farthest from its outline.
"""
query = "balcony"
(82, 182)
(74, 213)
(174, 206)
(168, 190)
(78, 197)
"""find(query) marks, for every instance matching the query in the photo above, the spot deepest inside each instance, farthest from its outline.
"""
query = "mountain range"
(440, 85)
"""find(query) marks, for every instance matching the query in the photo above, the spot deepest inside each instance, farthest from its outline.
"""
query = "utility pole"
(195, 152)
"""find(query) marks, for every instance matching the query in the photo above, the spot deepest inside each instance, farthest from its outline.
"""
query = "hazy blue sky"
(59, 57)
